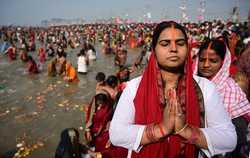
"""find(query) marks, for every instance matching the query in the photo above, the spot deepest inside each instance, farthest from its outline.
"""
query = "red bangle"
(150, 133)
(163, 133)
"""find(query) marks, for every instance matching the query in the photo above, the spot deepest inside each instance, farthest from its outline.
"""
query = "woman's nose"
(173, 46)
(206, 64)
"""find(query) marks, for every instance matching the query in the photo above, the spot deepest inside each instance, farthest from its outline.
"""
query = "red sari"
(11, 53)
(99, 131)
(32, 67)
(42, 55)
(149, 105)
(100, 120)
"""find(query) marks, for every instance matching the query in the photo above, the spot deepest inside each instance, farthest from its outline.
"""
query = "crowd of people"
(192, 99)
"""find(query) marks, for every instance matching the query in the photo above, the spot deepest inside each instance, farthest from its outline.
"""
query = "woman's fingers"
(178, 108)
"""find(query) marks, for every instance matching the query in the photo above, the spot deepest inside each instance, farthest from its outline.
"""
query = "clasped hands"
(173, 120)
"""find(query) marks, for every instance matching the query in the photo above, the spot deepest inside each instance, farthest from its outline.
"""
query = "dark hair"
(100, 76)
(217, 45)
(101, 98)
(30, 58)
(64, 55)
(163, 25)
(82, 53)
(123, 68)
(69, 144)
(225, 36)
(124, 51)
(112, 81)
(126, 77)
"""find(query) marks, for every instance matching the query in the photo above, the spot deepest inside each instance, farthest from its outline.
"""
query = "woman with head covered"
(168, 112)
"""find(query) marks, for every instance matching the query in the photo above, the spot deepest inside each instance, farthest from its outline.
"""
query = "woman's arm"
(123, 132)
(219, 132)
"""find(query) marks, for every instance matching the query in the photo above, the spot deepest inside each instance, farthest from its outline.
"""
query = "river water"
(36, 108)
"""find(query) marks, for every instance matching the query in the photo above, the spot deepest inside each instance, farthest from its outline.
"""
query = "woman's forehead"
(171, 34)
(211, 52)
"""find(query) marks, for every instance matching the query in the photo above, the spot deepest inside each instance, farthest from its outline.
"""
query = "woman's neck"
(170, 79)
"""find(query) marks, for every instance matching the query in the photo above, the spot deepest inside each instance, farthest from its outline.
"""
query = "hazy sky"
(32, 12)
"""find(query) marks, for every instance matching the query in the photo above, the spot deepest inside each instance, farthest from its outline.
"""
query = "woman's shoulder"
(133, 84)
(135, 81)
(205, 85)
(203, 80)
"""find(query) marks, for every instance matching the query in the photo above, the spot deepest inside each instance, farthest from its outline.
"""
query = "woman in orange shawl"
(71, 73)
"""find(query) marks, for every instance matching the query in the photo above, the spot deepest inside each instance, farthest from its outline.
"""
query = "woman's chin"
(205, 74)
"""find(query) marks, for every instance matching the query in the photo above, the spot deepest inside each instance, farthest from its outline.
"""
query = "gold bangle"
(178, 132)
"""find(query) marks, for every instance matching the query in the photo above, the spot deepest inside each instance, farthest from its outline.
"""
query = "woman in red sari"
(98, 118)
(42, 55)
(23, 55)
(11, 51)
(102, 116)
(32, 66)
